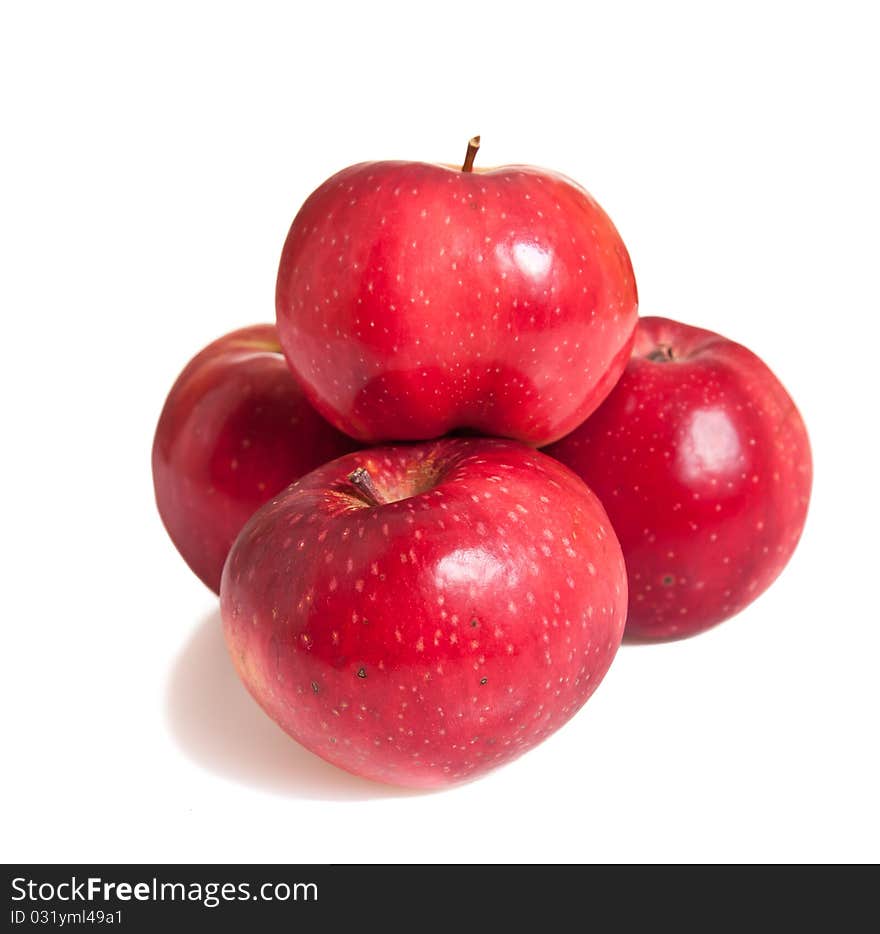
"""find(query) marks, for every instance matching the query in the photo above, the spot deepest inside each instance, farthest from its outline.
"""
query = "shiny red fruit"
(415, 299)
(421, 614)
(703, 463)
(235, 430)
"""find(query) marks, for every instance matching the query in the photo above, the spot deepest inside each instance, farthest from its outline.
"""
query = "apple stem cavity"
(361, 480)
(471, 154)
(662, 353)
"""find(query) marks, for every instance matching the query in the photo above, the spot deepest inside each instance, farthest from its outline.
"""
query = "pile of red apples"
(459, 469)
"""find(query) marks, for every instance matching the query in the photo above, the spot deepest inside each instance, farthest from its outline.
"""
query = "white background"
(153, 157)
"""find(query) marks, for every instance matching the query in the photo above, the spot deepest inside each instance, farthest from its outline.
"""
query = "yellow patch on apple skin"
(267, 345)
(475, 170)
(249, 671)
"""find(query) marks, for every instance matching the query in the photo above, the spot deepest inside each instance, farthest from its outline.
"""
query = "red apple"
(703, 463)
(235, 430)
(414, 299)
(421, 614)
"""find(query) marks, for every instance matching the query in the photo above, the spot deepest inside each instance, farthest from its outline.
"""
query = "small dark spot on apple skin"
(668, 580)
(362, 672)
(484, 680)
(315, 687)
(475, 623)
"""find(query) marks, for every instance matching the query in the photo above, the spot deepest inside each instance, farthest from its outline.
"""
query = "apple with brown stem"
(421, 614)
(414, 299)
(703, 462)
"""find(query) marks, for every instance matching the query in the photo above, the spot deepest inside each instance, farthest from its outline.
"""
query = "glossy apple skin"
(428, 639)
(235, 430)
(414, 299)
(703, 464)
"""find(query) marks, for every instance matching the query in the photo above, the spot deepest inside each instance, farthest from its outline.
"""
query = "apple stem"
(662, 353)
(361, 480)
(471, 154)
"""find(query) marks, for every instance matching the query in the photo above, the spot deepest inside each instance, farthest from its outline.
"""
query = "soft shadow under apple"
(218, 725)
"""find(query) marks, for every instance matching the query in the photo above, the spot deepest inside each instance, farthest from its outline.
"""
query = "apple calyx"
(361, 480)
(471, 154)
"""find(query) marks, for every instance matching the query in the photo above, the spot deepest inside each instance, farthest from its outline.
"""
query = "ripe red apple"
(423, 613)
(703, 463)
(235, 430)
(414, 299)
